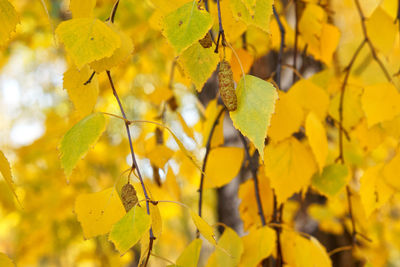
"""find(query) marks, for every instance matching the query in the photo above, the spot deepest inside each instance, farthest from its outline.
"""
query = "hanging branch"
(371, 46)
(134, 162)
(221, 33)
(282, 46)
(341, 133)
(296, 39)
(253, 164)
(203, 169)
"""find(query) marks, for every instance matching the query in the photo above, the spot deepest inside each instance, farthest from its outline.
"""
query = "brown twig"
(208, 149)
(371, 46)
(296, 37)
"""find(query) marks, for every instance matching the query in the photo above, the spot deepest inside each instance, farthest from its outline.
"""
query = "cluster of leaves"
(317, 154)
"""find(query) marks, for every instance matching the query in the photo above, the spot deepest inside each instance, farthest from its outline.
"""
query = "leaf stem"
(221, 33)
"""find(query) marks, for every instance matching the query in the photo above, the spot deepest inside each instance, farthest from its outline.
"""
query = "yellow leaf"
(211, 113)
(391, 171)
(205, 229)
(287, 118)
(98, 212)
(232, 246)
(188, 131)
(159, 155)
(120, 55)
(246, 60)
(223, 164)
(199, 63)
(299, 251)
(352, 111)
(82, 9)
(190, 256)
(316, 134)
(5, 261)
(368, 188)
(257, 14)
(83, 96)
(258, 245)
(156, 220)
(330, 37)
(248, 206)
(380, 103)
(8, 20)
(5, 170)
(304, 90)
(310, 24)
(289, 165)
(381, 20)
(171, 185)
(87, 40)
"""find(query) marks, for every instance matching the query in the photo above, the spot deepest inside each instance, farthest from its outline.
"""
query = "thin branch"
(135, 165)
(282, 46)
(339, 249)
(208, 149)
(296, 37)
(353, 223)
(253, 163)
(221, 33)
(371, 46)
(342, 92)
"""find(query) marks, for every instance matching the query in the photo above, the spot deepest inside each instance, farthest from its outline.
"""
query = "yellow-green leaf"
(186, 25)
(190, 256)
(375, 23)
(380, 103)
(87, 39)
(82, 9)
(77, 141)
(316, 134)
(258, 13)
(258, 245)
(97, 212)
(127, 231)
(83, 96)
(120, 55)
(256, 103)
(289, 165)
(5, 170)
(5, 261)
(332, 179)
(205, 229)
(199, 63)
(223, 164)
(8, 21)
(232, 246)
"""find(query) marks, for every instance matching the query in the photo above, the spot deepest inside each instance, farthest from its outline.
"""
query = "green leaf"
(77, 141)
(257, 14)
(127, 232)
(199, 63)
(87, 40)
(190, 256)
(8, 21)
(332, 179)
(256, 103)
(186, 25)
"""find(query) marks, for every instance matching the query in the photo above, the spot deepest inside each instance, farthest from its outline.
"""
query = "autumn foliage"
(200, 133)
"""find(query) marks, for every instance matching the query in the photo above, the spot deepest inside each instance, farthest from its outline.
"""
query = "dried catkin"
(227, 86)
(206, 42)
(129, 197)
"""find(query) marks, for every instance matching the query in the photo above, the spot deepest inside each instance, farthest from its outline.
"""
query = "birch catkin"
(129, 197)
(227, 86)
